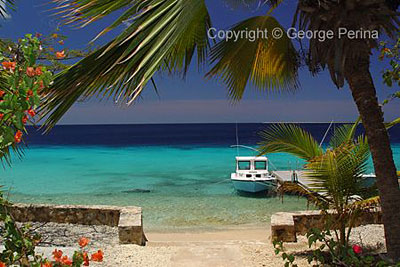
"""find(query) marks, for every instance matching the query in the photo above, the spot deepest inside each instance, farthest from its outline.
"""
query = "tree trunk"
(364, 94)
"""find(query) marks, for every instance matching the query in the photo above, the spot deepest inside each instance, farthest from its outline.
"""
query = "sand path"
(233, 247)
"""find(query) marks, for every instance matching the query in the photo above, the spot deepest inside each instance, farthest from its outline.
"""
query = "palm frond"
(80, 13)
(336, 53)
(289, 138)
(338, 172)
(163, 34)
(4, 5)
(392, 123)
(7, 152)
(344, 134)
(266, 63)
(367, 204)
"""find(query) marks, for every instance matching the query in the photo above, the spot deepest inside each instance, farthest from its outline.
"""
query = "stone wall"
(128, 219)
(286, 225)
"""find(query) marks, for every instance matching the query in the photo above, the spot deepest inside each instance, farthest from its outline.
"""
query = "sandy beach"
(236, 246)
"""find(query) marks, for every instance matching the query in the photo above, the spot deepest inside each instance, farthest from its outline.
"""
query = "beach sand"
(235, 246)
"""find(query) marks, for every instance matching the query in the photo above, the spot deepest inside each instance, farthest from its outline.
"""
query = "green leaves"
(19, 92)
(162, 35)
(344, 134)
(335, 174)
(289, 138)
(267, 63)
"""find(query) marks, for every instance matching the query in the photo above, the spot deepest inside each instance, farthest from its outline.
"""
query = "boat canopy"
(251, 158)
(244, 164)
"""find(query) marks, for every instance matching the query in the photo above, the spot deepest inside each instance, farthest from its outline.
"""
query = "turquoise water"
(186, 187)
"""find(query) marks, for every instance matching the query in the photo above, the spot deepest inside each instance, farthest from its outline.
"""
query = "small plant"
(329, 252)
(19, 243)
(288, 258)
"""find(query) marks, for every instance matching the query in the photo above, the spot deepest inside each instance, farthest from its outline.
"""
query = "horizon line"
(166, 123)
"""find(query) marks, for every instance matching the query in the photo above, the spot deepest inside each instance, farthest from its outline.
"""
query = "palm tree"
(335, 174)
(164, 36)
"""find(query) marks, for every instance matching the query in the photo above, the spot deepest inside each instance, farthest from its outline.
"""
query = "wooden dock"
(287, 176)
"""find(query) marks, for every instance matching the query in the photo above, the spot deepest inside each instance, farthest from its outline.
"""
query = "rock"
(137, 191)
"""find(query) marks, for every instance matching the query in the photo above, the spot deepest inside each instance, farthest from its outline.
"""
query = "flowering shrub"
(79, 258)
(21, 81)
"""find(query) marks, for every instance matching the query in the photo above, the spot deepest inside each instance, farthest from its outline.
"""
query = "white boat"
(252, 175)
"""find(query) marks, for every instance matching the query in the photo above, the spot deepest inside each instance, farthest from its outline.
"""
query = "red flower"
(57, 254)
(46, 264)
(357, 249)
(85, 259)
(83, 242)
(18, 136)
(66, 261)
(98, 256)
(41, 84)
(2, 264)
(29, 93)
(8, 65)
(31, 112)
(38, 71)
(30, 71)
(60, 55)
(1, 116)
(25, 119)
(2, 93)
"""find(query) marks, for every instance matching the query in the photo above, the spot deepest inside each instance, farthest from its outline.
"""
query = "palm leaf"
(289, 138)
(338, 172)
(369, 203)
(344, 134)
(4, 5)
(392, 123)
(82, 12)
(6, 155)
(267, 63)
(163, 35)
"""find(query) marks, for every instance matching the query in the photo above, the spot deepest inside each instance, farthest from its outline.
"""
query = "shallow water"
(179, 187)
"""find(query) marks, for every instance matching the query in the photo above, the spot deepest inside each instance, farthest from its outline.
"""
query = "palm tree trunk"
(364, 94)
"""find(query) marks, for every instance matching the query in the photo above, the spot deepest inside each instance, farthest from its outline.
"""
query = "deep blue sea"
(178, 173)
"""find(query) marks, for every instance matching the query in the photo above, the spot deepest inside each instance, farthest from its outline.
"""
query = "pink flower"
(357, 249)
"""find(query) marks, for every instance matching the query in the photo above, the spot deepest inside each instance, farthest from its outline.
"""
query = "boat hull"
(253, 186)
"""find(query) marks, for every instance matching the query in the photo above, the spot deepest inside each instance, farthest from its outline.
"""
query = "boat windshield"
(260, 165)
(244, 165)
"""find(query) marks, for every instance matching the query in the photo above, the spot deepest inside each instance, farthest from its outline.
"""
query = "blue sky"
(197, 99)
